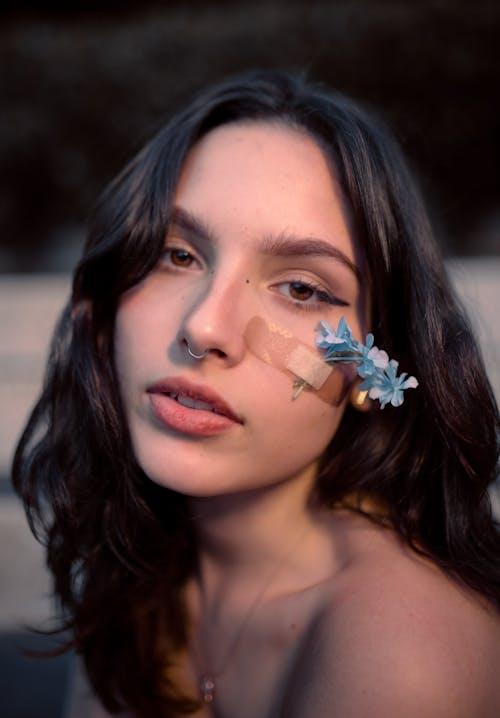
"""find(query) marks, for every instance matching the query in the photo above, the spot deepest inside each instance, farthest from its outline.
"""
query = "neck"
(244, 537)
(243, 530)
(253, 547)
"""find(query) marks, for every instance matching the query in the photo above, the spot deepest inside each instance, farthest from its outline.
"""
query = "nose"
(214, 325)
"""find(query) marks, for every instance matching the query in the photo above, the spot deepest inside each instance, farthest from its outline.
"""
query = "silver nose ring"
(196, 356)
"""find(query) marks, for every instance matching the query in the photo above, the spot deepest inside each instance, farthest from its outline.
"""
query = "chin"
(185, 475)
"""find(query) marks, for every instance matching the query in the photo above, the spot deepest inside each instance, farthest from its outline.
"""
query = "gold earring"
(359, 399)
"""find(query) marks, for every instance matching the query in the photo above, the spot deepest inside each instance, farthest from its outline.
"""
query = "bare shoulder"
(395, 636)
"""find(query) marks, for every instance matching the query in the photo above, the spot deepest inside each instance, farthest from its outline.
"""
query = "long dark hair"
(119, 546)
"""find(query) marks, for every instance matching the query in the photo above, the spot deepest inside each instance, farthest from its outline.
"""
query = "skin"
(304, 612)
(210, 301)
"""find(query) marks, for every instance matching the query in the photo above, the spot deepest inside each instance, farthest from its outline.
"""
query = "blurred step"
(31, 687)
(29, 307)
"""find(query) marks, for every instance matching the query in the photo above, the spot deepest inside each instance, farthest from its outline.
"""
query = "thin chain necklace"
(207, 679)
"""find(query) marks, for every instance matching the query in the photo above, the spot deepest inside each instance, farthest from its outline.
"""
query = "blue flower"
(335, 341)
(373, 364)
(387, 387)
(372, 358)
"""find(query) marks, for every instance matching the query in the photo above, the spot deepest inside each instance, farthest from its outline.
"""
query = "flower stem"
(299, 385)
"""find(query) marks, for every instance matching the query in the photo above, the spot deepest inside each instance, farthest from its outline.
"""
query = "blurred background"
(82, 89)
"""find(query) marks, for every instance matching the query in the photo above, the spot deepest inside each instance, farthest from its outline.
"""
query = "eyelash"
(166, 258)
(324, 297)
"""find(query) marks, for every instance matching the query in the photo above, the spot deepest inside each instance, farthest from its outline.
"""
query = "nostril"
(193, 351)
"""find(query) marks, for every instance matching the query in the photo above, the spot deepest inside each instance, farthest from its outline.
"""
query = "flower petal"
(378, 371)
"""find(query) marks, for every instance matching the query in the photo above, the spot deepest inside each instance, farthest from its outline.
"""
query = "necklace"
(207, 678)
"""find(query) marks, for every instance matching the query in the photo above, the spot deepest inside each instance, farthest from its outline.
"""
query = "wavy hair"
(120, 547)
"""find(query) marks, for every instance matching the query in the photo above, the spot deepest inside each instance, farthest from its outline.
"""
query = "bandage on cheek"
(280, 349)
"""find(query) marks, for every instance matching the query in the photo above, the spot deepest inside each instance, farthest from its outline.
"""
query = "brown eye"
(181, 258)
(300, 291)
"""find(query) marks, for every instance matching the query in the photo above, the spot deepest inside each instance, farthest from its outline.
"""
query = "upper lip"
(179, 385)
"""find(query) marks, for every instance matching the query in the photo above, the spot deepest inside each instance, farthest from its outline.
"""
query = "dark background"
(82, 89)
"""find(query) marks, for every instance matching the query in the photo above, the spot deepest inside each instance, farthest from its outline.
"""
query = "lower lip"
(194, 422)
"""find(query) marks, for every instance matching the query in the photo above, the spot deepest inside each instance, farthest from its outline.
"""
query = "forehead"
(265, 177)
(260, 149)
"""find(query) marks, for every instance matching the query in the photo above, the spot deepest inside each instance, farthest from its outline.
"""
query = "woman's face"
(260, 230)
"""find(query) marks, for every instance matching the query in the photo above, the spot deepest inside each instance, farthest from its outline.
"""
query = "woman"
(229, 534)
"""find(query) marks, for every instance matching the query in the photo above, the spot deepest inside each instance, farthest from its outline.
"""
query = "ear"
(359, 399)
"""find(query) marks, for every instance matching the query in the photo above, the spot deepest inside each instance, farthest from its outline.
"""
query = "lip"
(187, 420)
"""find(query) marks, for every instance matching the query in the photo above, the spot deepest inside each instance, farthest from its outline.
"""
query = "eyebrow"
(190, 225)
(282, 245)
(289, 245)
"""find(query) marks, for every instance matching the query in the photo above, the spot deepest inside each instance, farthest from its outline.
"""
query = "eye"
(300, 291)
(308, 294)
(178, 258)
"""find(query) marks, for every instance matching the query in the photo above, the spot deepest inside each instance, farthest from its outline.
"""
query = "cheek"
(127, 346)
(314, 424)
(299, 429)
(142, 337)
(302, 363)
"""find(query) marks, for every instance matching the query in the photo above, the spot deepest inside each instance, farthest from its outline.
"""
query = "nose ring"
(196, 356)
